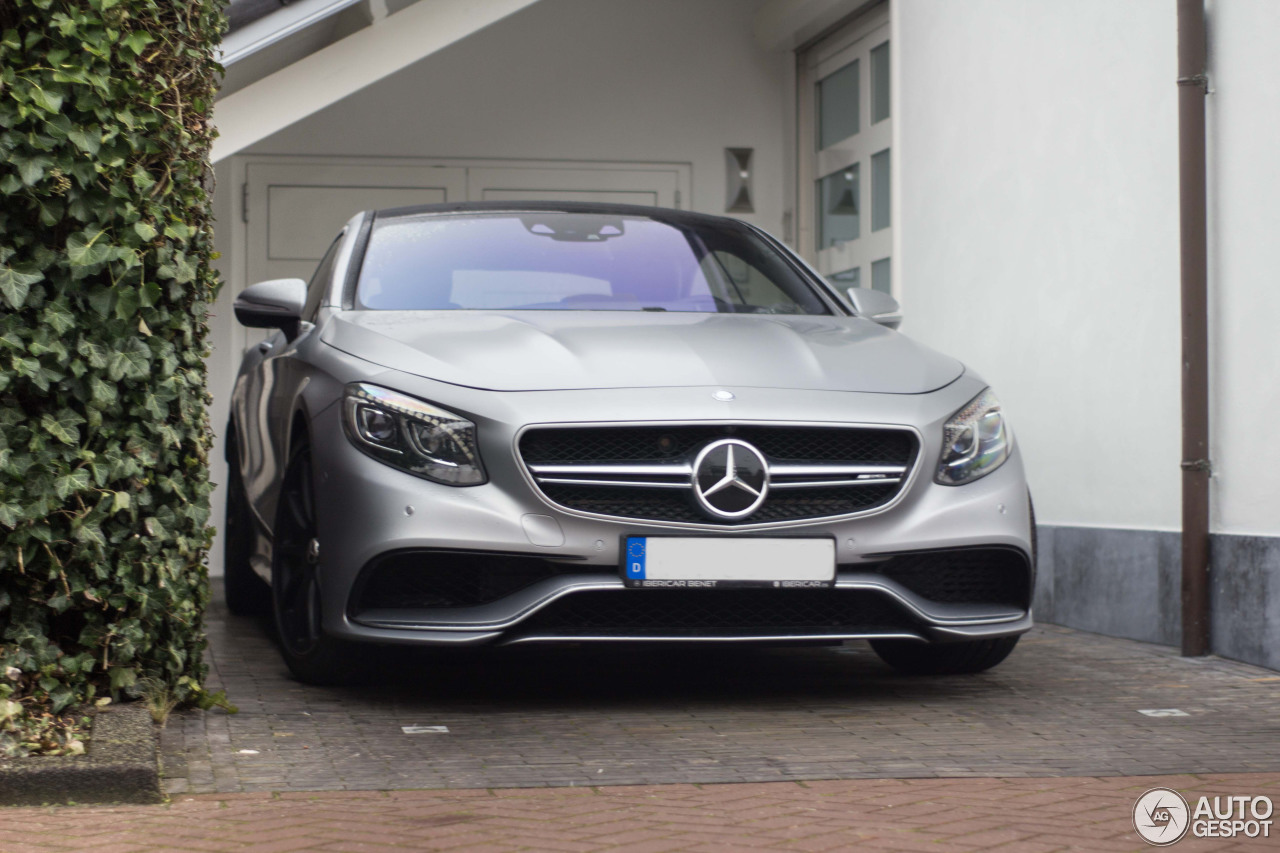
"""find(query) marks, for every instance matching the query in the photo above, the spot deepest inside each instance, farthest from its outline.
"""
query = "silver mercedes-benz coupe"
(526, 423)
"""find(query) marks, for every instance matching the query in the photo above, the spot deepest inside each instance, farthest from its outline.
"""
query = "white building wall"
(1244, 264)
(1038, 225)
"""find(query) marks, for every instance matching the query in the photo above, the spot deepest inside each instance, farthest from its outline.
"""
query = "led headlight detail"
(975, 441)
(412, 435)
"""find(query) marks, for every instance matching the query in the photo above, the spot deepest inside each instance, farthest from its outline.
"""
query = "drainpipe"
(1193, 86)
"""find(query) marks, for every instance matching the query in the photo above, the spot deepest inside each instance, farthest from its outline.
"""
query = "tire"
(247, 594)
(913, 658)
(311, 655)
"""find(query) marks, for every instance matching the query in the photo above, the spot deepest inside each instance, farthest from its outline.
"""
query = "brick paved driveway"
(1065, 704)
(1014, 815)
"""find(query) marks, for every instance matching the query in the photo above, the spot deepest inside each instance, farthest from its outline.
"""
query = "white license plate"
(690, 561)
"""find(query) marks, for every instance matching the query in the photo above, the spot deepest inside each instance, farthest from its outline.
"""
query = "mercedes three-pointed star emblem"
(730, 478)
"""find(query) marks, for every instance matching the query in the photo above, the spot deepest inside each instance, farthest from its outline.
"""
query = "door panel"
(655, 186)
(295, 211)
(302, 221)
(647, 198)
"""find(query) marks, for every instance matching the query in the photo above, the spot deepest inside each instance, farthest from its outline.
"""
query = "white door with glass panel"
(845, 195)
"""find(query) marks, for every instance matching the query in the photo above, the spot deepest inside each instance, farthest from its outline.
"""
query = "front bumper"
(368, 510)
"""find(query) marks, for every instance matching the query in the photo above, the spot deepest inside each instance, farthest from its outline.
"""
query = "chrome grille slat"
(783, 469)
(818, 484)
(678, 470)
(639, 484)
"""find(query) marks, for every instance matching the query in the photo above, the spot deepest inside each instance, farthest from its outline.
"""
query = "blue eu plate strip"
(635, 557)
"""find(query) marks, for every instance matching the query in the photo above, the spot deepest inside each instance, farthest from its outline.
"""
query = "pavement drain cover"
(1164, 712)
(425, 730)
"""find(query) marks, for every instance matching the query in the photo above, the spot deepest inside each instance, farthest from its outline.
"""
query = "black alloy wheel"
(312, 656)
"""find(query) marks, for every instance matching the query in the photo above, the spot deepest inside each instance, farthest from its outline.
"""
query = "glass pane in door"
(880, 190)
(880, 83)
(838, 106)
(847, 278)
(838, 207)
(880, 276)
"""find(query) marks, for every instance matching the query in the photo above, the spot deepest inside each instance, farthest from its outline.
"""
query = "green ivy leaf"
(86, 140)
(88, 250)
(178, 230)
(63, 427)
(58, 317)
(131, 362)
(75, 481)
(102, 393)
(15, 284)
(127, 301)
(31, 169)
(50, 102)
(95, 353)
(102, 300)
(137, 41)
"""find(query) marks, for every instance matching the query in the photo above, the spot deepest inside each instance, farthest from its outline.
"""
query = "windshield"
(575, 262)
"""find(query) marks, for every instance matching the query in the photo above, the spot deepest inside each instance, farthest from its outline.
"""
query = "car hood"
(567, 350)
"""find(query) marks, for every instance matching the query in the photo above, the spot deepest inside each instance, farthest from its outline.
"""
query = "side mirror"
(275, 304)
(876, 306)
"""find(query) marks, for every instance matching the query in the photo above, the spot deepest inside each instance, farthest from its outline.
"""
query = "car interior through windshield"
(553, 261)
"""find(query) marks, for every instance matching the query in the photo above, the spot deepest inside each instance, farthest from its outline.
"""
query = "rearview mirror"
(275, 304)
(876, 306)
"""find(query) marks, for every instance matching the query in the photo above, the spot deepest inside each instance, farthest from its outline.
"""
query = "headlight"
(412, 435)
(975, 442)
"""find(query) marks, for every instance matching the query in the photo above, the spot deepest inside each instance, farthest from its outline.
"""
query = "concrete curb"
(121, 766)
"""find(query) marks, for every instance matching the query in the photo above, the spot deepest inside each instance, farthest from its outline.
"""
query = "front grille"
(667, 443)
(430, 579)
(970, 576)
(635, 612)
(643, 472)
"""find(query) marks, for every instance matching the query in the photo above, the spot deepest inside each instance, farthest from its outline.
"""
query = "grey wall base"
(1127, 583)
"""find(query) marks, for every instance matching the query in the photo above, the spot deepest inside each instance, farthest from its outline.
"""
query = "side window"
(754, 285)
(319, 281)
(740, 282)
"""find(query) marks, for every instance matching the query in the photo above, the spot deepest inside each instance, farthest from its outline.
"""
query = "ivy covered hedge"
(105, 283)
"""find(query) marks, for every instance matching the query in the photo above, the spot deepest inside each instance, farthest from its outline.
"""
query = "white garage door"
(293, 210)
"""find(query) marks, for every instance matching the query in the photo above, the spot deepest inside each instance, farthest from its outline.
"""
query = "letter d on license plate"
(709, 561)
